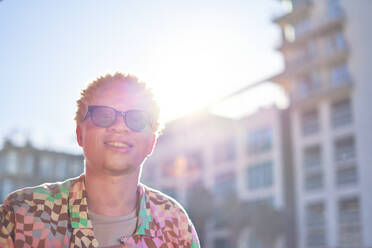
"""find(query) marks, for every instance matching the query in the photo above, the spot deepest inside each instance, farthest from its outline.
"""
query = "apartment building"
(226, 156)
(327, 50)
(26, 166)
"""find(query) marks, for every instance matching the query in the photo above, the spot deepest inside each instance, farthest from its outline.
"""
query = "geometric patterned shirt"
(56, 215)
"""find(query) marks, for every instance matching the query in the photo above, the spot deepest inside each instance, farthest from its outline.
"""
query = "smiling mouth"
(117, 144)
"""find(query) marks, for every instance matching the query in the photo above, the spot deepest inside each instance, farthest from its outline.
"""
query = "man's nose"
(119, 125)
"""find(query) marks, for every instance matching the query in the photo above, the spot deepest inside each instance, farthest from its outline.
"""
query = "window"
(7, 187)
(260, 175)
(301, 55)
(61, 167)
(315, 215)
(260, 141)
(315, 225)
(12, 163)
(183, 166)
(1, 191)
(341, 113)
(302, 27)
(310, 122)
(262, 202)
(347, 175)
(297, 3)
(253, 241)
(350, 233)
(340, 75)
(314, 181)
(46, 166)
(335, 42)
(225, 151)
(225, 184)
(3, 160)
(222, 243)
(308, 84)
(334, 9)
(312, 157)
(76, 167)
(195, 163)
(345, 150)
(28, 164)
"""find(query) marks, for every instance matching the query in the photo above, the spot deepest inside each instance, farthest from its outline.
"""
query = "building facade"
(242, 157)
(327, 50)
(26, 166)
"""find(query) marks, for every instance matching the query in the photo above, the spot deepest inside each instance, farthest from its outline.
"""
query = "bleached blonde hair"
(87, 94)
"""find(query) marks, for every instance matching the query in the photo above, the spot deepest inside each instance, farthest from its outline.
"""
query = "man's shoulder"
(170, 216)
(47, 192)
(160, 203)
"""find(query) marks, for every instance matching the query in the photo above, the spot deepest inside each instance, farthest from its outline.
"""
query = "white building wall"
(359, 34)
(204, 136)
(331, 193)
(264, 118)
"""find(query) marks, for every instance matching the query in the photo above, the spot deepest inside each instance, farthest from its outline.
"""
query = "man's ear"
(79, 135)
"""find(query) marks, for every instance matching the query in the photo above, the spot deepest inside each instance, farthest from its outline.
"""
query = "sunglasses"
(103, 116)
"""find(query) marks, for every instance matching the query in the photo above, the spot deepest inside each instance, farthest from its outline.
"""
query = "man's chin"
(121, 169)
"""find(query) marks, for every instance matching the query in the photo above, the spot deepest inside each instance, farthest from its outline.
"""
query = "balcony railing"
(312, 29)
(298, 95)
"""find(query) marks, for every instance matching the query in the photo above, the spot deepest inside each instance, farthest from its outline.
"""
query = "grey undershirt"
(109, 229)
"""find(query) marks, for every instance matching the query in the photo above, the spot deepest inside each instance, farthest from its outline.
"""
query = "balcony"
(307, 63)
(325, 89)
(313, 30)
(299, 11)
(320, 58)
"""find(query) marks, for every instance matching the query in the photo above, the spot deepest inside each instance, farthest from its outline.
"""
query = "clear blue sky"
(190, 52)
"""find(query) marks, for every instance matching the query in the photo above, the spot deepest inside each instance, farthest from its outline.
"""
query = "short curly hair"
(87, 94)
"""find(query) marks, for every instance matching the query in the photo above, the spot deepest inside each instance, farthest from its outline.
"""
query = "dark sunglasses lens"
(136, 120)
(103, 116)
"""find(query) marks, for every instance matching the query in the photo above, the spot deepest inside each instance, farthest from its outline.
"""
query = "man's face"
(117, 149)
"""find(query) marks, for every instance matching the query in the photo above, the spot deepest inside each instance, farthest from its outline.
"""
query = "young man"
(117, 127)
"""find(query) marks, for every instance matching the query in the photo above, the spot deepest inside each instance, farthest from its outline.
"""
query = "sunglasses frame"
(122, 113)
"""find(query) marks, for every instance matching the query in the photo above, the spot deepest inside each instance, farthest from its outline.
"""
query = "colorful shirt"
(56, 215)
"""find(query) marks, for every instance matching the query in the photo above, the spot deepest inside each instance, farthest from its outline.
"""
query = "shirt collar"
(145, 217)
(78, 205)
(78, 209)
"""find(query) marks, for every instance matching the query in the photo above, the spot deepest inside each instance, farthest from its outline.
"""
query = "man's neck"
(111, 195)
